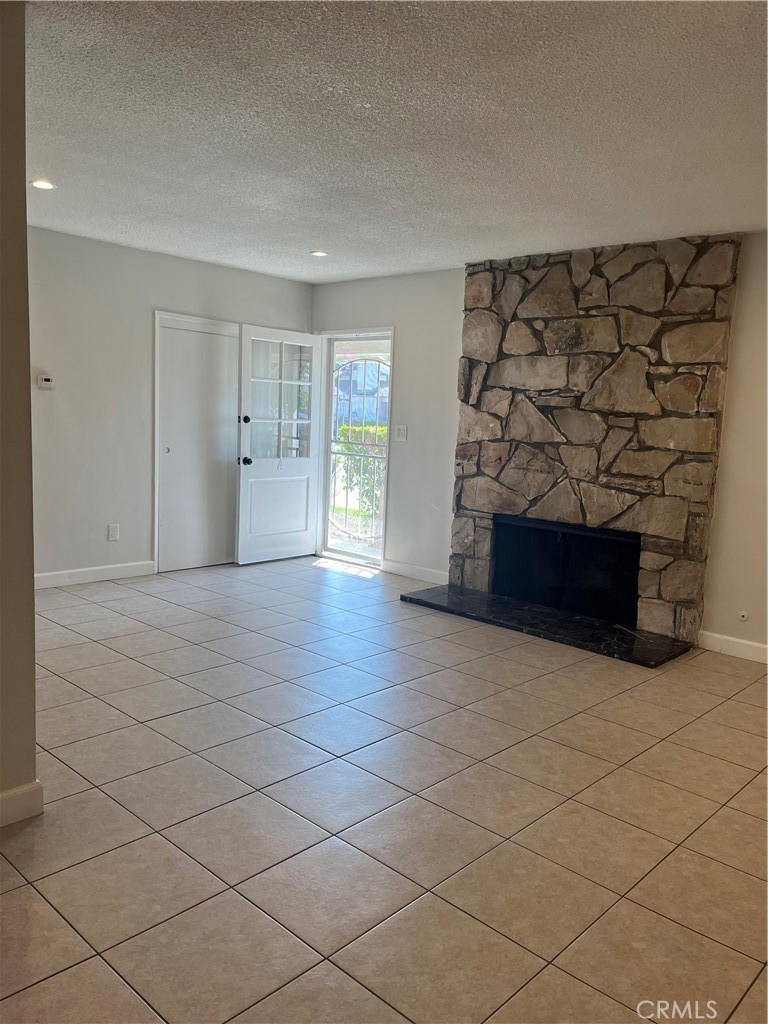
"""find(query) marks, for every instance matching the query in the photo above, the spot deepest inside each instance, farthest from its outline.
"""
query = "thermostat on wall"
(45, 380)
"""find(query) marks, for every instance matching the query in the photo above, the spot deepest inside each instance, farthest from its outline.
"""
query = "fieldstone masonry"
(591, 388)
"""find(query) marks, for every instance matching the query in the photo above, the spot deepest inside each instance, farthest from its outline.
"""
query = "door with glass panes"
(279, 442)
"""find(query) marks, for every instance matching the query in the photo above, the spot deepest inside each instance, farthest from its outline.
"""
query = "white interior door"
(197, 395)
(279, 475)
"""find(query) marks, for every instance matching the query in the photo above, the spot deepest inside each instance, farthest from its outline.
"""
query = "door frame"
(324, 496)
(183, 322)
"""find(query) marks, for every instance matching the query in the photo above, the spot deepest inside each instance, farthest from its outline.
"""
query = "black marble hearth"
(596, 635)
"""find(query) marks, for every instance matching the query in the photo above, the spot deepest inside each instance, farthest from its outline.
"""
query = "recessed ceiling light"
(318, 252)
(42, 183)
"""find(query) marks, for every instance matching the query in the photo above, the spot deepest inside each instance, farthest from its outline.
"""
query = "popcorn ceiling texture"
(591, 388)
(398, 137)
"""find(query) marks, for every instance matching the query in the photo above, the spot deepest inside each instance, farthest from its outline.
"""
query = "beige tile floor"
(278, 794)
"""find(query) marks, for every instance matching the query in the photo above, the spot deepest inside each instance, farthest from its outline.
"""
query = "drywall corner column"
(21, 795)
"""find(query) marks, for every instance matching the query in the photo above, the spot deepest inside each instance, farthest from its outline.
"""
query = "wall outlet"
(113, 531)
(401, 433)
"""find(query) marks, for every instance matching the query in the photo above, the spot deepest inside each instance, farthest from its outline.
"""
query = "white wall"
(426, 313)
(736, 569)
(91, 308)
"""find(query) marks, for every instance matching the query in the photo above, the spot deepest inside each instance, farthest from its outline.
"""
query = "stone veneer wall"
(591, 388)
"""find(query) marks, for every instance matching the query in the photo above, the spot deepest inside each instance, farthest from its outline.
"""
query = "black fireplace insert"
(575, 569)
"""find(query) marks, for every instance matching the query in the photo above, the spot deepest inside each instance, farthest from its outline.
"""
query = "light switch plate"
(401, 433)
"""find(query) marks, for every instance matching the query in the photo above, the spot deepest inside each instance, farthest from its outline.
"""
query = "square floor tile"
(552, 765)
(578, 694)
(744, 748)
(152, 641)
(410, 761)
(755, 694)
(9, 876)
(198, 968)
(542, 1000)
(741, 668)
(172, 792)
(207, 726)
(441, 652)
(113, 897)
(492, 798)
(737, 715)
(395, 666)
(70, 831)
(522, 710)
(52, 691)
(548, 657)
(541, 905)
(659, 959)
(90, 991)
(752, 799)
(324, 995)
(611, 670)
(330, 894)
(266, 757)
(261, 618)
(229, 680)
(280, 702)
(454, 686)
(676, 696)
(489, 639)
(343, 682)
(70, 722)
(83, 655)
(110, 626)
(55, 638)
(595, 736)
(437, 965)
(641, 715)
(336, 794)
(113, 755)
(120, 675)
(733, 838)
(204, 630)
(244, 837)
(665, 810)
(245, 645)
(595, 845)
(340, 729)
(35, 942)
(402, 706)
(500, 671)
(57, 778)
(475, 735)
(691, 770)
(298, 632)
(183, 660)
(345, 648)
(291, 663)
(693, 675)
(437, 623)
(754, 1005)
(709, 897)
(156, 699)
(420, 840)
(388, 635)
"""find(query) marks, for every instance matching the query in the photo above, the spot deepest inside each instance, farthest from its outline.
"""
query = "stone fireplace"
(591, 388)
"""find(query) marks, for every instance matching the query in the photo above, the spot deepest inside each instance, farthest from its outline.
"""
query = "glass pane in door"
(358, 443)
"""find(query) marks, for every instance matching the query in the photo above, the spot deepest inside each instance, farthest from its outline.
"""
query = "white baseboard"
(416, 572)
(21, 802)
(733, 646)
(95, 574)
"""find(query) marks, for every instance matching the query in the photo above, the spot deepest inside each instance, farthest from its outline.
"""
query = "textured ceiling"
(399, 137)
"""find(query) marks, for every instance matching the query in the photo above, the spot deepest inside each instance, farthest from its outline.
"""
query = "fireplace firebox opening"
(572, 568)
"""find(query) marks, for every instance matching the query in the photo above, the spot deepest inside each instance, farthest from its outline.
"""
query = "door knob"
(246, 419)
(247, 461)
